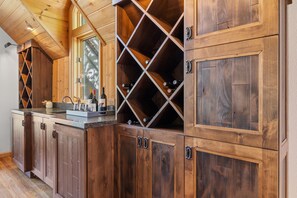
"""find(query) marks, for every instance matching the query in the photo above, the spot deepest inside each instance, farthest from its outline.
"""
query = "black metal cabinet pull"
(139, 141)
(188, 153)
(146, 143)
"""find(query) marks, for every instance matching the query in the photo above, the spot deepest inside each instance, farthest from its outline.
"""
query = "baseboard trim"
(3, 155)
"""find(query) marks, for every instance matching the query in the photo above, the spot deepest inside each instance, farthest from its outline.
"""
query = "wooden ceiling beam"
(89, 22)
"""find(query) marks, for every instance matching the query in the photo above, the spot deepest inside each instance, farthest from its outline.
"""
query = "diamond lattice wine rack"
(25, 79)
(150, 57)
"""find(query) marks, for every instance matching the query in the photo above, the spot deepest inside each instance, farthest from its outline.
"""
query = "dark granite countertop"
(41, 111)
(58, 116)
(84, 123)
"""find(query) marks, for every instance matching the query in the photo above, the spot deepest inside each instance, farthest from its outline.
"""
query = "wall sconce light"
(9, 44)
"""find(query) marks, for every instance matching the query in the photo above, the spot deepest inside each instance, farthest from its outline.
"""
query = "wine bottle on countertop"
(103, 100)
(95, 101)
(91, 94)
(132, 122)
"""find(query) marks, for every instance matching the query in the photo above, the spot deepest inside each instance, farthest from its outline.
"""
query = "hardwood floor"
(14, 183)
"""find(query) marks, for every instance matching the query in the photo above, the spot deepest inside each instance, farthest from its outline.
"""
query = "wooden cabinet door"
(231, 93)
(37, 147)
(21, 133)
(163, 164)
(130, 162)
(70, 162)
(216, 169)
(18, 140)
(48, 152)
(218, 22)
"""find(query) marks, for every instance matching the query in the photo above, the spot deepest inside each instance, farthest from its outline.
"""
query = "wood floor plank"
(14, 183)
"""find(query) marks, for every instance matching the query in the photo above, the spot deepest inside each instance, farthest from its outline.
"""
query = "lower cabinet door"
(70, 162)
(19, 142)
(216, 169)
(129, 159)
(48, 152)
(37, 147)
(163, 164)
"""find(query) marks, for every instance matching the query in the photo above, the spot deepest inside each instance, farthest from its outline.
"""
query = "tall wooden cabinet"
(236, 142)
(35, 75)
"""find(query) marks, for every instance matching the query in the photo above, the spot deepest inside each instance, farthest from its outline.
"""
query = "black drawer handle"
(146, 143)
(139, 141)
(55, 134)
(188, 153)
(23, 123)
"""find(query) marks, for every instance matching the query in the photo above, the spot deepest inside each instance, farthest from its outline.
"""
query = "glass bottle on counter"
(103, 101)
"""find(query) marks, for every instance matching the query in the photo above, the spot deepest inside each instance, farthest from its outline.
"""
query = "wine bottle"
(128, 86)
(95, 101)
(168, 85)
(91, 94)
(176, 82)
(131, 122)
(103, 100)
(170, 91)
(148, 119)
(147, 61)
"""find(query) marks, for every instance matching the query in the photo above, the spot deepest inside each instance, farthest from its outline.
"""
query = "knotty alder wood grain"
(227, 92)
(224, 21)
(240, 178)
(219, 15)
(226, 170)
(232, 97)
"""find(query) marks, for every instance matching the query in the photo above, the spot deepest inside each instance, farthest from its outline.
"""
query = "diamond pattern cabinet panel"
(149, 54)
(35, 85)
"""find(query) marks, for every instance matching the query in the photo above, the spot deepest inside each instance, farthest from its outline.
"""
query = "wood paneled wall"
(61, 77)
(108, 71)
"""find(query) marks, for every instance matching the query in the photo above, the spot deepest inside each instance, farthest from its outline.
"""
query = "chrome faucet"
(63, 99)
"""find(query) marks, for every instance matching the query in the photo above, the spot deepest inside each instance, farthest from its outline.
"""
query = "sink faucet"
(63, 99)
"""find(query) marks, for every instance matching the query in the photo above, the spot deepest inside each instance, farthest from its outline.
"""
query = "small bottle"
(103, 100)
(95, 101)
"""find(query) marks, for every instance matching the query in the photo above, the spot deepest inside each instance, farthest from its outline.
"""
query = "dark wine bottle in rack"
(128, 86)
(170, 91)
(147, 119)
(132, 122)
(168, 85)
(176, 82)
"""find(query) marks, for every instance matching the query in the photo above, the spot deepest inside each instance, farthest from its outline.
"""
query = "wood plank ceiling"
(101, 15)
(47, 18)
(49, 21)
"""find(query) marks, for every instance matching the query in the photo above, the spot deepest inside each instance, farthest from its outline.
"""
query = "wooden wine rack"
(35, 75)
(150, 51)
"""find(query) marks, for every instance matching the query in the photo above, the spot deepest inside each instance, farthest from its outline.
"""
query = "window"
(85, 57)
(89, 70)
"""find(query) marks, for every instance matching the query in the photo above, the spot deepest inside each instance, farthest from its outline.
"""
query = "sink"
(86, 114)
